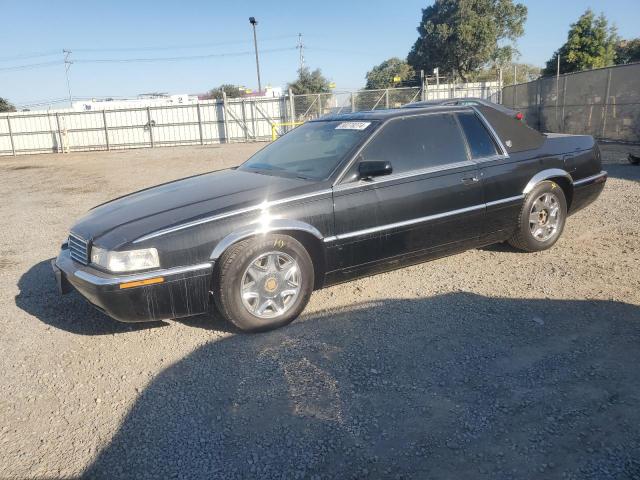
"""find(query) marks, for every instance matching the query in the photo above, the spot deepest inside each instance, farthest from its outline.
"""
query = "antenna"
(301, 48)
(67, 66)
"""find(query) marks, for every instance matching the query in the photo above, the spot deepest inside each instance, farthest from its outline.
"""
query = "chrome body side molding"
(544, 175)
(591, 179)
(115, 280)
(505, 200)
(404, 223)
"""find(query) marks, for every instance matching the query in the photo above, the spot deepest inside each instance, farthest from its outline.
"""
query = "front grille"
(79, 249)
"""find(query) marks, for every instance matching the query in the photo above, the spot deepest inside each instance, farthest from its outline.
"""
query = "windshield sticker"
(353, 125)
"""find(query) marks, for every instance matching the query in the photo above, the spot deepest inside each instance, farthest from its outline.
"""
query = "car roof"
(479, 101)
(390, 113)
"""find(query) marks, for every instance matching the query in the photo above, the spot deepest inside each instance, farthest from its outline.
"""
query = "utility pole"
(515, 73)
(301, 48)
(67, 66)
(254, 22)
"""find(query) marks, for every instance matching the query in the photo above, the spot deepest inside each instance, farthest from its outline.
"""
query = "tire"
(264, 282)
(541, 222)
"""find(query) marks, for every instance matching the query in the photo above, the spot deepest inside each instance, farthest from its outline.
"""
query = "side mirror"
(370, 169)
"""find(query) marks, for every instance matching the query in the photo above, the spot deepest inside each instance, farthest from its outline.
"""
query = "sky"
(342, 38)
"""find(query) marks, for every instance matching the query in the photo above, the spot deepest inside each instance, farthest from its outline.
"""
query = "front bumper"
(179, 292)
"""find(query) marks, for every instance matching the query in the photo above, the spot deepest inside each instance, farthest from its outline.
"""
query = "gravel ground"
(490, 364)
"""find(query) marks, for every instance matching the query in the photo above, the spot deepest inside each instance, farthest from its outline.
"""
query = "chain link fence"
(205, 122)
(604, 103)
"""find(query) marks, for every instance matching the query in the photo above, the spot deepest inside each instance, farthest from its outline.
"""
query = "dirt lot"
(490, 364)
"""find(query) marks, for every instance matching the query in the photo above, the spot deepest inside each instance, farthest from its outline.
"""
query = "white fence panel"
(209, 121)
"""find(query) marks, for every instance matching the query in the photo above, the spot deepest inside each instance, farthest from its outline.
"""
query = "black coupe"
(336, 198)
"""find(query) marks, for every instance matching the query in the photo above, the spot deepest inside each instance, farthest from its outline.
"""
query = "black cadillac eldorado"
(334, 199)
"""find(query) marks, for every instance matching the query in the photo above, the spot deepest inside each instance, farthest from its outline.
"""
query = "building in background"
(141, 101)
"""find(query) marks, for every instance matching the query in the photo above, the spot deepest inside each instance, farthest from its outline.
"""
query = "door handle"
(470, 180)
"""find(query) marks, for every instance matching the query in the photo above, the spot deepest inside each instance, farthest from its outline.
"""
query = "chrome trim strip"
(590, 179)
(400, 176)
(103, 281)
(404, 223)
(490, 158)
(505, 200)
(263, 206)
(544, 175)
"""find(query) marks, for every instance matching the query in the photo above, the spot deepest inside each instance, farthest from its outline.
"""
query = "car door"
(506, 168)
(432, 201)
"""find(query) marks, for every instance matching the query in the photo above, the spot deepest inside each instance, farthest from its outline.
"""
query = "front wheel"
(542, 218)
(264, 282)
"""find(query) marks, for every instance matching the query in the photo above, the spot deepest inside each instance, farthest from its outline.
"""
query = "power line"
(67, 62)
(339, 50)
(178, 47)
(50, 53)
(25, 56)
(30, 66)
(178, 59)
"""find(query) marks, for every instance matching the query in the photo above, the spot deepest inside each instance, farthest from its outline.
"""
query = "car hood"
(127, 218)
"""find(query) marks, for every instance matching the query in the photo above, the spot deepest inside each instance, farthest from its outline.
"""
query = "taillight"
(519, 116)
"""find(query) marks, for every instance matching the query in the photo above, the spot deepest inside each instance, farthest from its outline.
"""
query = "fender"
(261, 227)
(545, 175)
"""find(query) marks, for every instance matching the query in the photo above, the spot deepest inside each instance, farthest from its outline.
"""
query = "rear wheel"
(264, 282)
(542, 218)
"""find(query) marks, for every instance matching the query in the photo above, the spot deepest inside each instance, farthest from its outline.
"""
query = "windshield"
(311, 151)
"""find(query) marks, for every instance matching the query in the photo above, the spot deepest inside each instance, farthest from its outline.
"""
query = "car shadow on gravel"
(452, 386)
(39, 297)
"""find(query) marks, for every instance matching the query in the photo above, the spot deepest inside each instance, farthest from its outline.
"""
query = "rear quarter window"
(480, 142)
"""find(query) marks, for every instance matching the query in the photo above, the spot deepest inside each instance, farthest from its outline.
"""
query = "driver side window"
(414, 143)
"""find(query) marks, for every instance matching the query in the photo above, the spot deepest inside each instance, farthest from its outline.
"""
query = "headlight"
(125, 261)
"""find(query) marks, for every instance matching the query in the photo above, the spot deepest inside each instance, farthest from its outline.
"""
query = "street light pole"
(254, 22)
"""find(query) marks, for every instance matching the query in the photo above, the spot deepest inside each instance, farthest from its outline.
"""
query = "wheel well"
(310, 242)
(567, 188)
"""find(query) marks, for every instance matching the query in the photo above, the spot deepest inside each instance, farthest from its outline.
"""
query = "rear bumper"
(587, 190)
(181, 292)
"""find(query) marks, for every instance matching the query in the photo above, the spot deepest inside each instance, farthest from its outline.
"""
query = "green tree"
(309, 82)
(383, 75)
(6, 106)
(232, 91)
(628, 51)
(524, 72)
(461, 36)
(591, 43)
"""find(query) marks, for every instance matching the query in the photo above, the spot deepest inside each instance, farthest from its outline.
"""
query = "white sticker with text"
(353, 125)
